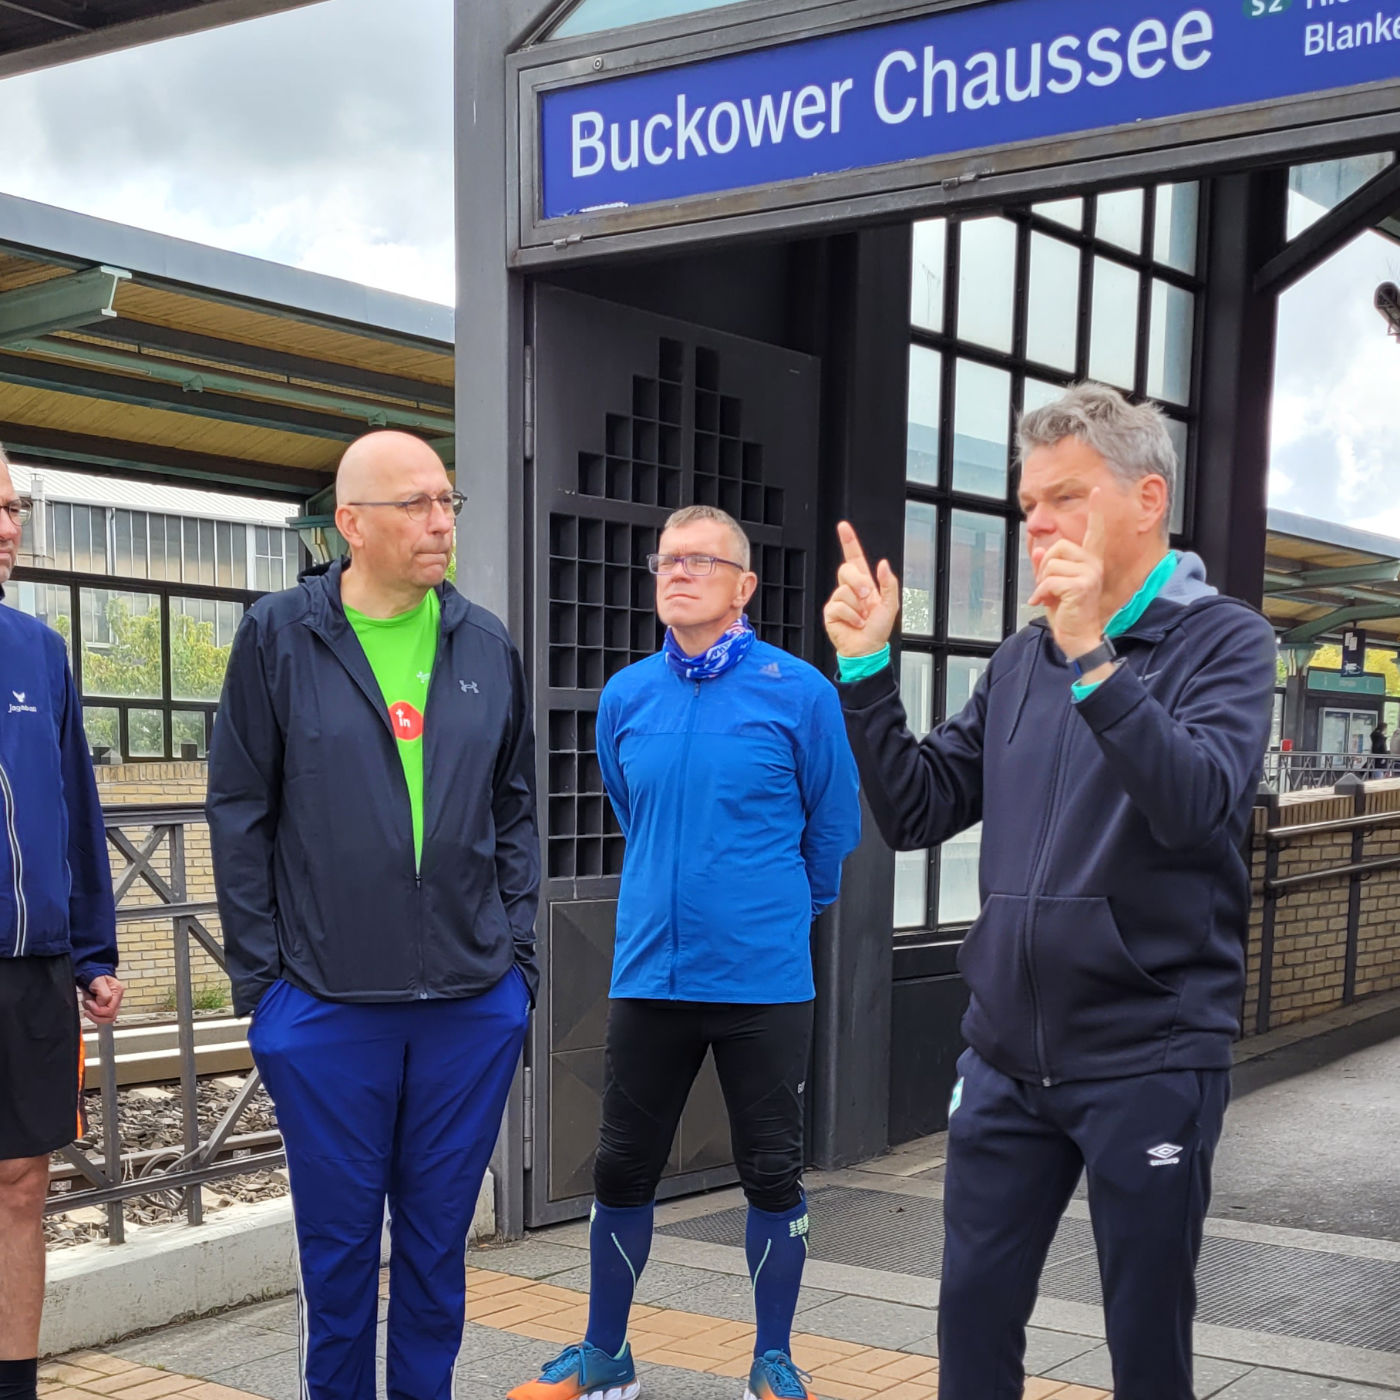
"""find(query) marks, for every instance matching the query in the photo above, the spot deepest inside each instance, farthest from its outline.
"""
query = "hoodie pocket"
(1099, 1003)
(1000, 1020)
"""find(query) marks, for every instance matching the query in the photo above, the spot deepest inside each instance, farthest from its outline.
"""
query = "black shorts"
(41, 1057)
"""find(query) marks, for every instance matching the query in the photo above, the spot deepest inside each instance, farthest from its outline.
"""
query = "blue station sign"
(960, 79)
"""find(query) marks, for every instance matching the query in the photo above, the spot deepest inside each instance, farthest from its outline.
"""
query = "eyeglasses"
(420, 507)
(695, 565)
(18, 510)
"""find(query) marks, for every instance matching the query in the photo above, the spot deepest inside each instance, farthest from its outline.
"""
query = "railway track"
(150, 1054)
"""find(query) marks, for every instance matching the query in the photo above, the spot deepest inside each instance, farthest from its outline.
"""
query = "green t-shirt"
(400, 651)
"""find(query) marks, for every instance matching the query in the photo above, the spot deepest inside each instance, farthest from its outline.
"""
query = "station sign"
(1334, 683)
(956, 79)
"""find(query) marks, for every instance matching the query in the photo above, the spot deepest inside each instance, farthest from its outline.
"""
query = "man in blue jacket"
(57, 929)
(372, 814)
(1111, 752)
(727, 764)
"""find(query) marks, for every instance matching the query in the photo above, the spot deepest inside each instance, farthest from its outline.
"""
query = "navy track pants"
(399, 1102)
(1015, 1155)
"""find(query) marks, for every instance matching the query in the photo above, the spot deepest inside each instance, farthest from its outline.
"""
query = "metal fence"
(152, 885)
(1302, 772)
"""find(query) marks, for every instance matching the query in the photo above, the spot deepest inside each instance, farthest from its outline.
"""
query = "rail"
(151, 840)
(1295, 771)
(1355, 869)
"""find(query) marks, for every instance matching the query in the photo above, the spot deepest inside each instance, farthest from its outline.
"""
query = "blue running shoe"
(774, 1377)
(583, 1372)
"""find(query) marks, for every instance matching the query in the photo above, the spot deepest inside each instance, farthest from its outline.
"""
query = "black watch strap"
(1092, 660)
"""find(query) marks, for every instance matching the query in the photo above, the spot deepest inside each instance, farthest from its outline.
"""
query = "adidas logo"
(1165, 1154)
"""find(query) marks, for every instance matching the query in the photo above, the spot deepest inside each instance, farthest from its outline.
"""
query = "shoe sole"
(630, 1391)
(749, 1395)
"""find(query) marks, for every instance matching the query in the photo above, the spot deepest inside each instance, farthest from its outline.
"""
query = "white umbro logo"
(1165, 1154)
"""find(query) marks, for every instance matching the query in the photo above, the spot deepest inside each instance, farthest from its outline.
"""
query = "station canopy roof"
(131, 353)
(1321, 578)
(41, 33)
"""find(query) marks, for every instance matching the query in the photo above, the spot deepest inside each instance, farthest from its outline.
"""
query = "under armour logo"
(1165, 1154)
(470, 686)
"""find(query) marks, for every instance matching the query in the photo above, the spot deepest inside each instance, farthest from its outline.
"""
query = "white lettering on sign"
(1335, 38)
(909, 85)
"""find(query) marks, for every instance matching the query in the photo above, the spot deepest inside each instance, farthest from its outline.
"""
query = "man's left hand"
(1069, 586)
(102, 1000)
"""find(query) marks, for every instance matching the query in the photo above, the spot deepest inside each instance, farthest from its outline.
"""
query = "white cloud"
(320, 138)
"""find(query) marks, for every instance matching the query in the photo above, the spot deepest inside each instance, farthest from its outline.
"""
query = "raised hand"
(861, 613)
(1069, 585)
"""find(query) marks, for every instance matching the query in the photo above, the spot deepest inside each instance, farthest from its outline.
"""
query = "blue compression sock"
(619, 1241)
(777, 1250)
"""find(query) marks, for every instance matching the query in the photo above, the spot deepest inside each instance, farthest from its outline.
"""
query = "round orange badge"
(408, 721)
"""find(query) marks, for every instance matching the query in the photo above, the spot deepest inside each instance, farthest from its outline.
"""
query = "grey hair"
(1132, 438)
(688, 515)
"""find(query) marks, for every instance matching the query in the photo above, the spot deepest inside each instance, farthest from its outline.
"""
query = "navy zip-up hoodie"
(55, 880)
(1115, 898)
(309, 815)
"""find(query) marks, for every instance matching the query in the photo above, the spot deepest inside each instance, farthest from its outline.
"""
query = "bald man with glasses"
(372, 813)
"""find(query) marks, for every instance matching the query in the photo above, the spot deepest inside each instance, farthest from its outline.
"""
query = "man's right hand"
(861, 614)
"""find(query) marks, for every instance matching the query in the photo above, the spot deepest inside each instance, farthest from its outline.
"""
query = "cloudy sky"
(323, 138)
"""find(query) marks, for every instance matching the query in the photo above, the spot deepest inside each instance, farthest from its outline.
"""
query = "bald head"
(386, 466)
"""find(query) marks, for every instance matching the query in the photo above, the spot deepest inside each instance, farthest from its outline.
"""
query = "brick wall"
(148, 946)
(1310, 931)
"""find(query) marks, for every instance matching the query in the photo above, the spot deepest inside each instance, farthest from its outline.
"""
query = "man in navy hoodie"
(1111, 751)
(57, 929)
(727, 764)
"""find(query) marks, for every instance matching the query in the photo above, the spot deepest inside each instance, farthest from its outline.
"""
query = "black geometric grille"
(728, 470)
(584, 838)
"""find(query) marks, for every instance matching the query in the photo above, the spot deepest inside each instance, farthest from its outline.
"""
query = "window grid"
(927, 489)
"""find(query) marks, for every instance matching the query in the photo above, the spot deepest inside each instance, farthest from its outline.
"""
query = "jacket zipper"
(676, 862)
(1037, 872)
(16, 865)
(418, 867)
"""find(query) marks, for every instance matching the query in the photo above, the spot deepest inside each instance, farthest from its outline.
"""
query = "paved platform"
(1300, 1279)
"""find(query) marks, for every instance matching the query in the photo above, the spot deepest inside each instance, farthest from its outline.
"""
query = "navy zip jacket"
(309, 813)
(55, 881)
(1115, 898)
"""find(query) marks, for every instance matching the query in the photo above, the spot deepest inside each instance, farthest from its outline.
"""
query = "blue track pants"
(1015, 1154)
(399, 1102)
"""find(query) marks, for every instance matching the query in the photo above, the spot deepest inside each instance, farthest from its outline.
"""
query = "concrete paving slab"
(870, 1321)
(1093, 1368)
(1045, 1349)
(212, 1344)
(279, 1315)
(1264, 1383)
(531, 1258)
(273, 1377)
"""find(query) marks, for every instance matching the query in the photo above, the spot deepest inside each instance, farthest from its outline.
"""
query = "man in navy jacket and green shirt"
(372, 815)
(727, 764)
(1111, 752)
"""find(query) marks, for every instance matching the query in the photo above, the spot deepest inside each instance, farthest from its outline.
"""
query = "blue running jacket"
(738, 797)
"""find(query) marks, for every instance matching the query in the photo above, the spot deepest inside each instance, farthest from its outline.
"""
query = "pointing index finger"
(850, 546)
(1095, 534)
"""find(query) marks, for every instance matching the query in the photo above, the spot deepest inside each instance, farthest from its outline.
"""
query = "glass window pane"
(916, 690)
(1052, 316)
(1113, 331)
(1069, 212)
(987, 282)
(89, 540)
(121, 640)
(594, 15)
(1169, 343)
(976, 572)
(959, 898)
(223, 553)
(51, 603)
(1037, 393)
(926, 291)
(963, 674)
(1025, 583)
(981, 429)
(920, 559)
(201, 633)
(101, 727)
(61, 535)
(121, 533)
(910, 889)
(1119, 219)
(1174, 240)
(1180, 436)
(925, 390)
(1315, 189)
(238, 538)
(155, 535)
(207, 569)
(187, 727)
(145, 730)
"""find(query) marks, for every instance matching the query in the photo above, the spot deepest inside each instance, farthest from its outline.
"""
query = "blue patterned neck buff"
(726, 653)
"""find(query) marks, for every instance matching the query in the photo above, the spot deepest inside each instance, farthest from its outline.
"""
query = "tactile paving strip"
(1256, 1287)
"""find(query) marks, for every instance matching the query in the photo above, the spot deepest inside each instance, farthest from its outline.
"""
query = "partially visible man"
(1112, 757)
(58, 938)
(727, 764)
(372, 813)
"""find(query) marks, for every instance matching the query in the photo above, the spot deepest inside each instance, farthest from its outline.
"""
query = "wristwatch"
(1101, 655)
